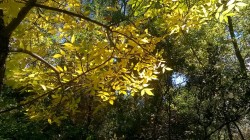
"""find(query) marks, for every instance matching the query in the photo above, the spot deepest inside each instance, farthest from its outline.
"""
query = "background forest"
(125, 69)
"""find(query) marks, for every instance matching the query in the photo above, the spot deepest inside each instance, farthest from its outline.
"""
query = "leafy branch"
(21, 15)
(58, 87)
(35, 56)
(71, 14)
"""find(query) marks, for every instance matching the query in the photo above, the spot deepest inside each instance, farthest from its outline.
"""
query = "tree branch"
(71, 14)
(236, 48)
(21, 15)
(58, 87)
(222, 125)
(37, 57)
(241, 135)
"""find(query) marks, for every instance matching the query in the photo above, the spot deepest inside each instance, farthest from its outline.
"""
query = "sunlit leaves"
(49, 121)
(230, 9)
(44, 87)
(57, 56)
(73, 38)
(94, 61)
(230, 2)
(148, 91)
(11, 9)
(241, 4)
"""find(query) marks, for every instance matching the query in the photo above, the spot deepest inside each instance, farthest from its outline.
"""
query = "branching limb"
(21, 15)
(222, 125)
(19, 50)
(52, 91)
(71, 14)
(241, 135)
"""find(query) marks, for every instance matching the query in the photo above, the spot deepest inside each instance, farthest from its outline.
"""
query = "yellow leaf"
(221, 18)
(145, 85)
(111, 102)
(220, 9)
(148, 91)
(32, 75)
(62, 52)
(44, 87)
(230, 7)
(168, 69)
(217, 15)
(57, 56)
(73, 38)
(68, 46)
(113, 9)
(59, 68)
(241, 4)
(49, 120)
(230, 2)
(142, 92)
(237, 9)
(65, 68)
(145, 40)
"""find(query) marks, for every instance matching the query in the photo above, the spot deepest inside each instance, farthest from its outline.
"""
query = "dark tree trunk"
(6, 31)
(4, 49)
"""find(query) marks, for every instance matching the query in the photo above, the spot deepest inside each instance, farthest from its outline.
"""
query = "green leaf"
(112, 9)
(21, 45)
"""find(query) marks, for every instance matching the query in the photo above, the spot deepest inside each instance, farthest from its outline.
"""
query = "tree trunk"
(6, 31)
(230, 135)
(236, 47)
(4, 49)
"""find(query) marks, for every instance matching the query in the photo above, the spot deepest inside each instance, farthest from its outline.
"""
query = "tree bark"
(4, 49)
(230, 135)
